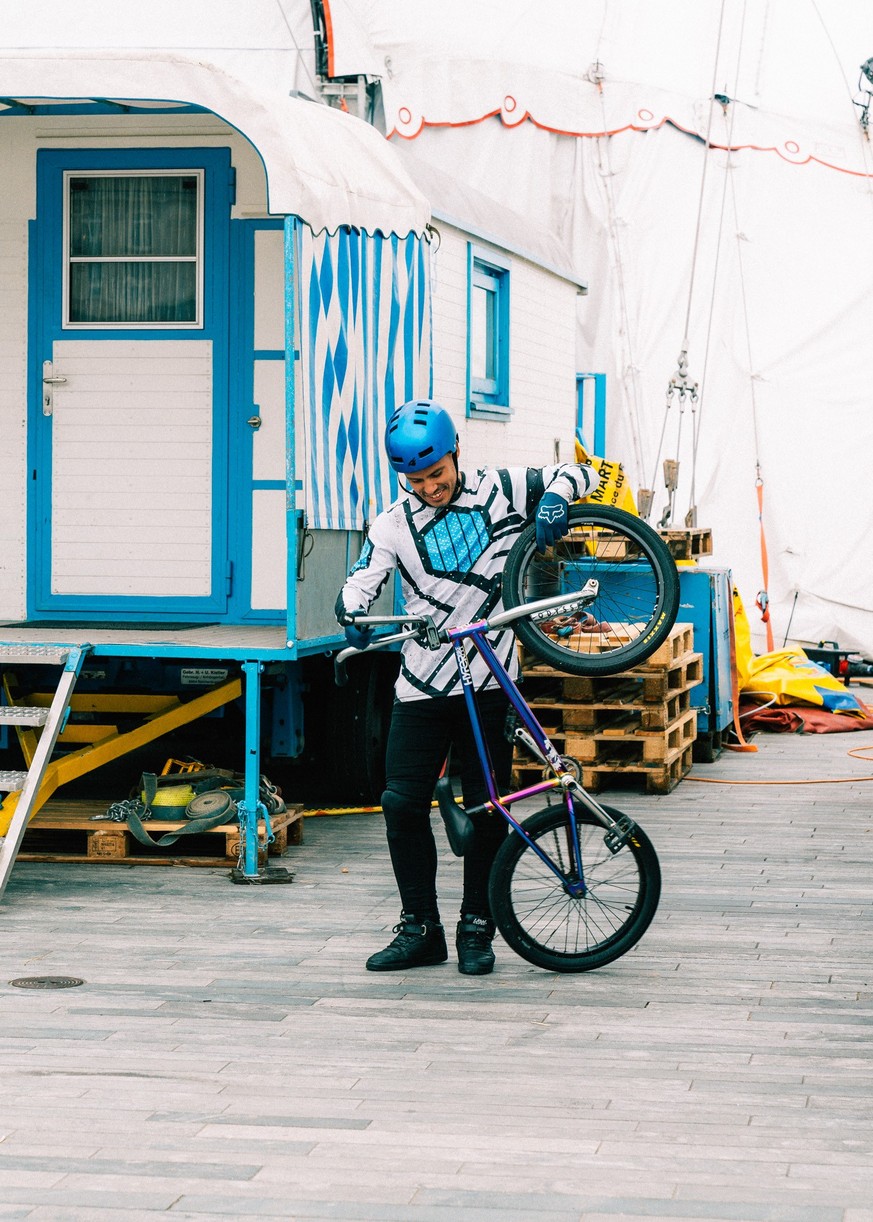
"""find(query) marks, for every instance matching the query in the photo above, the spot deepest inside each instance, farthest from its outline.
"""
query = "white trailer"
(214, 292)
(216, 289)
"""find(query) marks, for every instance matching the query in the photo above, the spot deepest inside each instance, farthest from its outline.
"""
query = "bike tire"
(548, 927)
(636, 606)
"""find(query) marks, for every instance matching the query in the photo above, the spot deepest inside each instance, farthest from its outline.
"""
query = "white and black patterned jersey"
(450, 560)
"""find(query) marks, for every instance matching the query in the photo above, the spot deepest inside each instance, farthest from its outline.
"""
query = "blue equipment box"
(706, 602)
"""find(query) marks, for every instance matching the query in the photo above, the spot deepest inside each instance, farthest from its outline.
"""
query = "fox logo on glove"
(552, 520)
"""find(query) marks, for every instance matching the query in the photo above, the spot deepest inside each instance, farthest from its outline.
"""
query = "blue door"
(129, 288)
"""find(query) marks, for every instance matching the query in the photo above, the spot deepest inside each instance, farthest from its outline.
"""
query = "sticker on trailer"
(202, 676)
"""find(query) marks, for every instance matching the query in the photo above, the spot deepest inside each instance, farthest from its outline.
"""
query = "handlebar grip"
(340, 674)
(379, 642)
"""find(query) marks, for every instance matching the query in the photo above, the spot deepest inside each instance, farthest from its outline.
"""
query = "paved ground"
(228, 1057)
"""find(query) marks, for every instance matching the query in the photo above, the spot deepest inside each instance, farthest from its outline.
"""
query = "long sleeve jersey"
(450, 560)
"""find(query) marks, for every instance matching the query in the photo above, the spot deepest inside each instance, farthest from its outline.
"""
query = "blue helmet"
(418, 435)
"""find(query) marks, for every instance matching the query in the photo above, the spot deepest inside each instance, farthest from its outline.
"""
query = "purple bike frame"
(476, 633)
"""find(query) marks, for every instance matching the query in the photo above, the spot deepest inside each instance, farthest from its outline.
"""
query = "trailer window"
(133, 249)
(488, 338)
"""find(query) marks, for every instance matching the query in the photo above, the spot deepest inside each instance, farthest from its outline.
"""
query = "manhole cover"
(46, 982)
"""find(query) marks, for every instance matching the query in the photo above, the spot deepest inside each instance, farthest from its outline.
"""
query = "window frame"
(198, 259)
(489, 397)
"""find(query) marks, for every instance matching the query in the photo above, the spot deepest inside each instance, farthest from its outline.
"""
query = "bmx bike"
(576, 884)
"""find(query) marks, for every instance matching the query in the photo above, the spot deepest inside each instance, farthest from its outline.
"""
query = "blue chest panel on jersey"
(456, 541)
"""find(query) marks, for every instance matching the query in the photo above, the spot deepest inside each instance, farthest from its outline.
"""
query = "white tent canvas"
(706, 168)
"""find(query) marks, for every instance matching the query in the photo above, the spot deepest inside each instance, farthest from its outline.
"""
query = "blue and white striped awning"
(365, 349)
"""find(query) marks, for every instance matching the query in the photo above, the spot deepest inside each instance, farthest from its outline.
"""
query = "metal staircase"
(41, 721)
(51, 721)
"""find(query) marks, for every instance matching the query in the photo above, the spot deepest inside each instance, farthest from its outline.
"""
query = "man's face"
(436, 484)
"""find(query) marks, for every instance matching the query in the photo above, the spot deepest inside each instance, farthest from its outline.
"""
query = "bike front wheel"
(637, 600)
(554, 930)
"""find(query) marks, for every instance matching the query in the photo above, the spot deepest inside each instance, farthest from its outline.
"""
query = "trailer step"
(22, 715)
(35, 655)
(24, 788)
(10, 782)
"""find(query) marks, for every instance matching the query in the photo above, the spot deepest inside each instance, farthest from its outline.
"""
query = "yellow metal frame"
(161, 715)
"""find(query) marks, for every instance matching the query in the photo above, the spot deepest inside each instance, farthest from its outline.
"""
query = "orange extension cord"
(829, 780)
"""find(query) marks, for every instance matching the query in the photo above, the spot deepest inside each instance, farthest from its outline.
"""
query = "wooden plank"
(679, 643)
(641, 686)
(722, 1066)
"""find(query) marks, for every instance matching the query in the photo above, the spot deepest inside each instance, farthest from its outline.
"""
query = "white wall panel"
(269, 549)
(268, 442)
(269, 289)
(17, 207)
(132, 468)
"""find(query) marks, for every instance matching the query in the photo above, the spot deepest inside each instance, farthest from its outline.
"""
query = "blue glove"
(552, 520)
(359, 637)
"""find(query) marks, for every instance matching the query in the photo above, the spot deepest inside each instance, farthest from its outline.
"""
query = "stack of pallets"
(637, 726)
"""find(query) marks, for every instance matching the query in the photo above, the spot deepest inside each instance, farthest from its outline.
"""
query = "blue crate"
(706, 602)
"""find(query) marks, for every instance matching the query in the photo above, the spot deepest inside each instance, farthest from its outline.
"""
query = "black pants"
(422, 731)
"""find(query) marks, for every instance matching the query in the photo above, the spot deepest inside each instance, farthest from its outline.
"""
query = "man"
(448, 535)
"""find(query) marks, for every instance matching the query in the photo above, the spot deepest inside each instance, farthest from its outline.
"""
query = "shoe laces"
(408, 927)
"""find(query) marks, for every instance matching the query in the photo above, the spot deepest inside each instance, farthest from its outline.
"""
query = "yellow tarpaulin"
(787, 676)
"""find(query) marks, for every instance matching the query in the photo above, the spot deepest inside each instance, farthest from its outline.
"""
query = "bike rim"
(574, 927)
(630, 601)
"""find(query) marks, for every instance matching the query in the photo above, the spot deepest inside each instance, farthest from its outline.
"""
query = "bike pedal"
(617, 837)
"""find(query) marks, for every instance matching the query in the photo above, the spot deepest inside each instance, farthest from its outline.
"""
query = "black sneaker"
(473, 940)
(418, 944)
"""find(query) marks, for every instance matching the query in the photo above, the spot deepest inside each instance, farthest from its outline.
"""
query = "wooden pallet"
(528, 772)
(688, 544)
(66, 831)
(626, 713)
(642, 685)
(648, 698)
(658, 778)
(632, 744)
(679, 642)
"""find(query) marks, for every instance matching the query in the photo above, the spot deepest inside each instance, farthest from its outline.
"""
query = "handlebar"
(423, 629)
(415, 626)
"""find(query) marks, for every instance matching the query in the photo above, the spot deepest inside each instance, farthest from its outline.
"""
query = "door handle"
(255, 422)
(49, 379)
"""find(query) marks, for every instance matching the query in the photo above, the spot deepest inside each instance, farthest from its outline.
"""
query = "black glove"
(359, 637)
(552, 520)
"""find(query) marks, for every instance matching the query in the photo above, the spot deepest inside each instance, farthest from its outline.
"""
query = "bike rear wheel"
(636, 605)
(552, 929)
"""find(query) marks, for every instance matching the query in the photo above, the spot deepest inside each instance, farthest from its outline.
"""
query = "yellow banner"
(614, 488)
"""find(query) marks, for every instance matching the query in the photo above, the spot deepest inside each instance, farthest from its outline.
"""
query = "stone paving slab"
(228, 1056)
